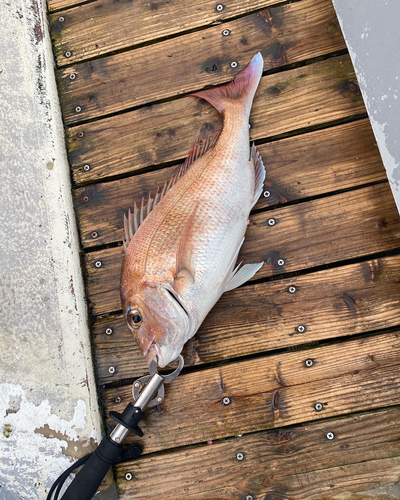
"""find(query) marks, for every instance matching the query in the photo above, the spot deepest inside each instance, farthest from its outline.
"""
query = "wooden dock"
(308, 353)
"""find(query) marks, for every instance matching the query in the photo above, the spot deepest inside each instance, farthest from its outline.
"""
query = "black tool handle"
(88, 479)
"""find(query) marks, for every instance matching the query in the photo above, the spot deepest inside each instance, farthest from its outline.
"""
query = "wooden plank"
(284, 35)
(298, 167)
(104, 26)
(130, 142)
(258, 318)
(61, 4)
(294, 462)
(363, 221)
(271, 391)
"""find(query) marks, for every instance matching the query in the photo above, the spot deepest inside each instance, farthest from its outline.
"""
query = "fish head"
(157, 320)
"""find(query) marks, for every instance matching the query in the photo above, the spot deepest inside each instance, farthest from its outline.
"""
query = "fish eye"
(134, 318)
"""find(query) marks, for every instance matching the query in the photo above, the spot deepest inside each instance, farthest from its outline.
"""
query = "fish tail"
(240, 91)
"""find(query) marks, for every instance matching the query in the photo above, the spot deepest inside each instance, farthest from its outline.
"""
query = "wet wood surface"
(364, 221)
(104, 26)
(324, 92)
(329, 304)
(363, 455)
(284, 35)
(326, 227)
(271, 391)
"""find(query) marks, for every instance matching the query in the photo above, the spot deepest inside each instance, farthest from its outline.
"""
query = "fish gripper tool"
(148, 391)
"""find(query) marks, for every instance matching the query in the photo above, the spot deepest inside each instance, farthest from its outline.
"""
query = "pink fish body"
(183, 245)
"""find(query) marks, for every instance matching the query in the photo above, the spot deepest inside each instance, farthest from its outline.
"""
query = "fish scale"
(181, 258)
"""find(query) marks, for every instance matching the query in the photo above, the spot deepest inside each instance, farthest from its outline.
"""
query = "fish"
(182, 244)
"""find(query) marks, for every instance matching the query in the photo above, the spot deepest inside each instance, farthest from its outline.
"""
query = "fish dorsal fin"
(133, 219)
(259, 171)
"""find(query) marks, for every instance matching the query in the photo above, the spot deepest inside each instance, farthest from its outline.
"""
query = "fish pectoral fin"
(133, 219)
(259, 172)
(240, 276)
(184, 255)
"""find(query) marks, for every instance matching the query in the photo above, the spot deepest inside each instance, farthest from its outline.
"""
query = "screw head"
(117, 439)
(159, 400)
(226, 401)
(281, 262)
(330, 435)
(86, 168)
(239, 456)
(78, 109)
(271, 222)
(220, 7)
(61, 19)
(292, 289)
(301, 328)
(98, 263)
(72, 76)
(68, 53)
(226, 32)
(94, 234)
(318, 406)
(248, 497)
(111, 370)
(109, 331)
(234, 64)
(136, 385)
(308, 362)
(128, 476)
(80, 134)
(117, 399)
(266, 194)
(86, 199)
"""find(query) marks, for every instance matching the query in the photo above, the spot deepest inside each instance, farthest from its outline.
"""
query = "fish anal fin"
(259, 172)
(240, 276)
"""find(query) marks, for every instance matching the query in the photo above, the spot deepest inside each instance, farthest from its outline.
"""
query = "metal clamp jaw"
(148, 391)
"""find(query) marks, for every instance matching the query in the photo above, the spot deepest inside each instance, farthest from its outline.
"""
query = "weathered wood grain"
(307, 165)
(305, 235)
(104, 26)
(61, 4)
(284, 35)
(323, 92)
(294, 462)
(258, 318)
(272, 391)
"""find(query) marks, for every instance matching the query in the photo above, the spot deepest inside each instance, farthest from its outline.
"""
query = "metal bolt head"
(226, 401)
(220, 7)
(248, 497)
(128, 476)
(80, 134)
(136, 385)
(72, 76)
(109, 331)
(318, 406)
(301, 329)
(78, 109)
(86, 168)
(160, 400)
(308, 362)
(94, 234)
(61, 19)
(330, 435)
(117, 399)
(86, 199)
(239, 456)
(98, 263)
(234, 64)
(281, 262)
(68, 53)
(111, 370)
(226, 32)
(271, 222)
(292, 289)
(266, 194)
(117, 439)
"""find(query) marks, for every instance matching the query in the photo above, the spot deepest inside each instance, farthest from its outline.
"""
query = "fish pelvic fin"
(259, 172)
(240, 91)
(134, 218)
(240, 276)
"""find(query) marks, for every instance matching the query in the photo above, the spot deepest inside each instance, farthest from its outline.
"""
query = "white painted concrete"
(371, 31)
(48, 404)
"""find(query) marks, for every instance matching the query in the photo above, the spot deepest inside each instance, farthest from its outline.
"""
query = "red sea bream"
(183, 243)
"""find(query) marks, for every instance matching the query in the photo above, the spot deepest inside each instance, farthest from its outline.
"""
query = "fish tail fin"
(240, 91)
